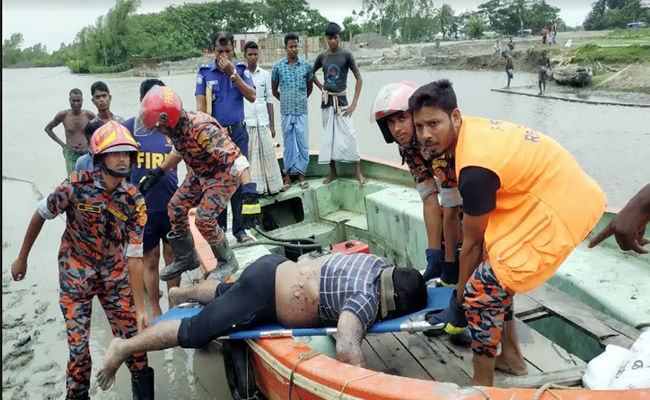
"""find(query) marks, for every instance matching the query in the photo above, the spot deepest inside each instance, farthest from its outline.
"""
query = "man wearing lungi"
(339, 138)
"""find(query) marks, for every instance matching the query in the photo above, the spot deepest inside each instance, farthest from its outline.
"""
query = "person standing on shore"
(339, 138)
(510, 69)
(221, 88)
(553, 32)
(260, 123)
(100, 255)
(544, 66)
(292, 83)
(74, 121)
(154, 148)
(544, 34)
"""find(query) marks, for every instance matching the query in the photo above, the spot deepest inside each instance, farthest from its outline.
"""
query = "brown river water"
(610, 142)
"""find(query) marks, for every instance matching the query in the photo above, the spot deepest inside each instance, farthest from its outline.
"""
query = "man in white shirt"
(259, 118)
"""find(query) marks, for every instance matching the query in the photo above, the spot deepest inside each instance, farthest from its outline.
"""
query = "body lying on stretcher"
(349, 295)
(337, 294)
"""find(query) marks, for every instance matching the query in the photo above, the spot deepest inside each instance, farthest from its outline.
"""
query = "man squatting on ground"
(216, 168)
(350, 292)
(339, 138)
(527, 205)
(105, 217)
(74, 120)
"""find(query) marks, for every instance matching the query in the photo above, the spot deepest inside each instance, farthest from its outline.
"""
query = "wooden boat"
(597, 298)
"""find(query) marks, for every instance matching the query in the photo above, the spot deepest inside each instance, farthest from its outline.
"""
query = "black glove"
(150, 179)
(251, 209)
(453, 317)
(434, 269)
(449, 274)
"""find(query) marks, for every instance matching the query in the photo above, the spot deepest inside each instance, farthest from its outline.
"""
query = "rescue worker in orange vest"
(390, 110)
(527, 204)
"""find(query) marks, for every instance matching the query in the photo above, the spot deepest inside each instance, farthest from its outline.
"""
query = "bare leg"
(483, 371)
(203, 292)
(157, 337)
(332, 176)
(362, 179)
(511, 360)
(168, 256)
(451, 226)
(540, 86)
(151, 279)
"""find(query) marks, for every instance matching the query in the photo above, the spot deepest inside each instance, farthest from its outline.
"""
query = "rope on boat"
(354, 380)
(478, 389)
(547, 388)
(302, 358)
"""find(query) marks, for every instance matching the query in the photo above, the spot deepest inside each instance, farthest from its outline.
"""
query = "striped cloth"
(350, 283)
(264, 167)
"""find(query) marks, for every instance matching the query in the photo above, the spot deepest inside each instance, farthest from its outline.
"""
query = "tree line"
(613, 14)
(408, 21)
(177, 32)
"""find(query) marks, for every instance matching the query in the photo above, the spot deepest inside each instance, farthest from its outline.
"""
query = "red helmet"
(390, 99)
(160, 107)
(112, 137)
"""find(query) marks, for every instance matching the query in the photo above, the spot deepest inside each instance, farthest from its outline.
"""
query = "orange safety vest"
(546, 204)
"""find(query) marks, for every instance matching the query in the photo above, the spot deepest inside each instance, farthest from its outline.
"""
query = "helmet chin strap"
(123, 173)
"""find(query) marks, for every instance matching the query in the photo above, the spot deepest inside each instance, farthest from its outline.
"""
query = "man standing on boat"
(216, 169)
(154, 148)
(527, 204)
(260, 123)
(339, 138)
(292, 80)
(221, 88)
(104, 224)
(395, 120)
(74, 120)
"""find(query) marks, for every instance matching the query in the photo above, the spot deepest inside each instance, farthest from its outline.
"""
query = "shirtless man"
(544, 69)
(350, 292)
(74, 120)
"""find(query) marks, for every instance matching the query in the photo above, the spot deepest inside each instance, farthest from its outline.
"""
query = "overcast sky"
(54, 21)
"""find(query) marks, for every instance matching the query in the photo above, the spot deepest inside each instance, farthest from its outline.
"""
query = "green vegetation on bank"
(176, 33)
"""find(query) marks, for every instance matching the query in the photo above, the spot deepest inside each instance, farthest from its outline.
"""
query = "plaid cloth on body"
(350, 283)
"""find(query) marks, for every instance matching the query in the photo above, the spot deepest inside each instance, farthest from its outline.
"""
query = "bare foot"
(511, 365)
(330, 178)
(112, 361)
(362, 179)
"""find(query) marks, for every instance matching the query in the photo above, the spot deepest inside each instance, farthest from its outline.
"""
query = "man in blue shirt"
(292, 81)
(221, 87)
(85, 162)
(154, 148)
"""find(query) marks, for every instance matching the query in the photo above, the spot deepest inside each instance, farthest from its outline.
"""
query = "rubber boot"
(142, 384)
(187, 259)
(226, 261)
(449, 275)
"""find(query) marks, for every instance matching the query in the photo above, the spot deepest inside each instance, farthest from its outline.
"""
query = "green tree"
(445, 19)
(475, 27)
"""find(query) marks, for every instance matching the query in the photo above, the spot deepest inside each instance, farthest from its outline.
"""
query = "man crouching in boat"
(350, 292)
(105, 223)
(216, 168)
(391, 111)
(527, 205)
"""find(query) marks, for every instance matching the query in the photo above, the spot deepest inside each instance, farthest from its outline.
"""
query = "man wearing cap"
(221, 88)
(216, 169)
(105, 220)
(349, 292)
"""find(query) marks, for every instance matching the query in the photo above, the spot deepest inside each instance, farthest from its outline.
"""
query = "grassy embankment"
(605, 55)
